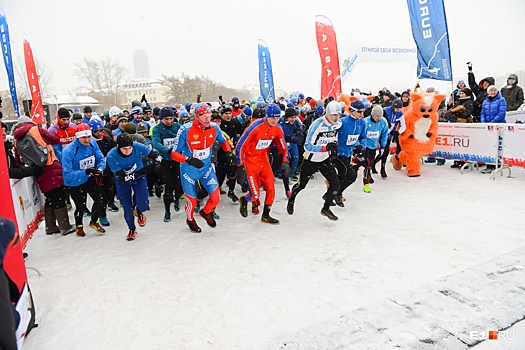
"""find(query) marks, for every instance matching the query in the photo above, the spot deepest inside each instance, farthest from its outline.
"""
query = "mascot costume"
(417, 132)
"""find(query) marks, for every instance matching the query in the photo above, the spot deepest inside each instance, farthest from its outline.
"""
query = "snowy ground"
(418, 263)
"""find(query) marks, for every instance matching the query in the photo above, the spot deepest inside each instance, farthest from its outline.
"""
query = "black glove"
(220, 98)
(469, 66)
(143, 99)
(288, 138)
(157, 158)
(358, 149)
(230, 157)
(93, 172)
(197, 163)
(394, 133)
(37, 170)
(332, 149)
(241, 175)
(122, 176)
(285, 167)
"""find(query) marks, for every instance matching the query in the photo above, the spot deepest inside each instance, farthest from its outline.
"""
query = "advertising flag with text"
(430, 32)
(8, 60)
(265, 72)
(37, 110)
(327, 44)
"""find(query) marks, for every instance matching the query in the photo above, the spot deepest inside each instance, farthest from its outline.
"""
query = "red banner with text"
(327, 44)
(37, 109)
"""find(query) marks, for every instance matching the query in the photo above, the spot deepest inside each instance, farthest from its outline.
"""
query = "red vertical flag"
(37, 109)
(327, 44)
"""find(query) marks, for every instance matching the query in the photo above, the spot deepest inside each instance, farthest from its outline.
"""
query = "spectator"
(461, 112)
(512, 93)
(479, 90)
(493, 111)
(455, 93)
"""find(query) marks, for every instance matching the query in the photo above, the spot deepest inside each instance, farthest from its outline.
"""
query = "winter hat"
(290, 112)
(8, 236)
(124, 140)
(202, 109)
(166, 112)
(290, 105)
(333, 108)
(77, 116)
(319, 110)
(258, 113)
(461, 81)
(121, 118)
(114, 111)
(183, 113)
(146, 109)
(492, 87)
(130, 128)
(312, 103)
(226, 110)
(376, 100)
(24, 119)
(95, 124)
(82, 130)
(156, 111)
(260, 104)
(307, 108)
(63, 113)
(142, 127)
(136, 110)
(247, 111)
(467, 91)
(88, 109)
(377, 111)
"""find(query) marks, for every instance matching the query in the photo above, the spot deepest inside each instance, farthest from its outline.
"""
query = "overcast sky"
(218, 39)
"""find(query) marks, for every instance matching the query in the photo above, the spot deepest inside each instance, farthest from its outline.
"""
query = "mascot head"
(426, 105)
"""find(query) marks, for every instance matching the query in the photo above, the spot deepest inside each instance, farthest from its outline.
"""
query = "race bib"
(262, 144)
(201, 153)
(372, 134)
(87, 163)
(323, 141)
(352, 139)
(168, 142)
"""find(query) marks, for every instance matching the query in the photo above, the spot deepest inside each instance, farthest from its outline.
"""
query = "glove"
(122, 176)
(288, 138)
(143, 99)
(230, 157)
(37, 170)
(220, 98)
(394, 133)
(158, 160)
(469, 66)
(285, 167)
(93, 172)
(241, 175)
(358, 149)
(381, 151)
(332, 149)
(197, 163)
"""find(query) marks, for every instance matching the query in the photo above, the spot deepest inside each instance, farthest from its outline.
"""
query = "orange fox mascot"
(418, 132)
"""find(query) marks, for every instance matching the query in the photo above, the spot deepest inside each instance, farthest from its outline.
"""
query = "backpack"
(30, 151)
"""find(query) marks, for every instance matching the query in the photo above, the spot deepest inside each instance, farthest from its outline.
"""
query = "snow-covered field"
(419, 263)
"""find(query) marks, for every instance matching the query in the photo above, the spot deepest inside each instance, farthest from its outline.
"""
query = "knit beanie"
(166, 112)
(130, 128)
(124, 140)
(377, 111)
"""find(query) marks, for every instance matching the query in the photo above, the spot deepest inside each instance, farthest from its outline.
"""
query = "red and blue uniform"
(252, 152)
(196, 140)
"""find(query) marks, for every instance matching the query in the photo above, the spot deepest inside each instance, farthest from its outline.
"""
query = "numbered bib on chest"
(168, 142)
(201, 153)
(352, 139)
(372, 134)
(323, 141)
(87, 163)
(262, 144)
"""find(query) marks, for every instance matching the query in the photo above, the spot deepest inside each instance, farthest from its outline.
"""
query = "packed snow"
(419, 263)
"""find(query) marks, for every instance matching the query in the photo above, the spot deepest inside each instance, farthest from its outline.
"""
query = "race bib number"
(201, 153)
(168, 142)
(352, 139)
(87, 163)
(372, 134)
(129, 177)
(262, 144)
(323, 141)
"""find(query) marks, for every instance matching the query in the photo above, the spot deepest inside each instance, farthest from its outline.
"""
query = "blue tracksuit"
(351, 134)
(376, 132)
(129, 165)
(76, 158)
(393, 118)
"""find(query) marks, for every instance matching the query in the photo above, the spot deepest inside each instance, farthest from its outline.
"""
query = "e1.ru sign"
(492, 335)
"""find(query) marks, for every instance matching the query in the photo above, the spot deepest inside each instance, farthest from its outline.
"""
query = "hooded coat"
(478, 91)
(513, 94)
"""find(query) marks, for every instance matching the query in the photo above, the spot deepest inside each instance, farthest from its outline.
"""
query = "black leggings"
(346, 173)
(79, 195)
(328, 170)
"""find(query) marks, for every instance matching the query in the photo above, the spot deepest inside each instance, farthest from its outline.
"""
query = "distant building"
(141, 64)
(152, 88)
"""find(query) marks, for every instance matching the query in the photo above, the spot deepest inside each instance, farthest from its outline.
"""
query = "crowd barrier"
(482, 143)
(28, 203)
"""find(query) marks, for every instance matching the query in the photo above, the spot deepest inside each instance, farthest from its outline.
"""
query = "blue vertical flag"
(265, 72)
(429, 28)
(8, 60)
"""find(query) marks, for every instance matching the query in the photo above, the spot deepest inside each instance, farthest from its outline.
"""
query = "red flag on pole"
(327, 44)
(37, 109)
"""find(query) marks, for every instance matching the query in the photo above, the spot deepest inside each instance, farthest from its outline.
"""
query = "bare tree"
(45, 78)
(105, 79)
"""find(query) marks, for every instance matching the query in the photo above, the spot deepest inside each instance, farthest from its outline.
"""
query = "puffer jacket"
(52, 177)
(463, 109)
(513, 94)
(494, 109)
